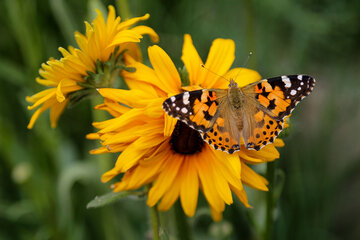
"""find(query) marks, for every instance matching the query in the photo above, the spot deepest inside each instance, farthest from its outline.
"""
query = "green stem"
(183, 228)
(270, 175)
(155, 222)
(105, 161)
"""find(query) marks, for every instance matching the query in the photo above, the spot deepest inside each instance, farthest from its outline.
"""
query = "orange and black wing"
(275, 98)
(198, 109)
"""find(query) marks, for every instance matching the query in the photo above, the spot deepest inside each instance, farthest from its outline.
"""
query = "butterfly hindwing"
(198, 109)
(220, 138)
(265, 131)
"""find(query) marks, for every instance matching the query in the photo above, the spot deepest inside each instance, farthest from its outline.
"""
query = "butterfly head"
(232, 84)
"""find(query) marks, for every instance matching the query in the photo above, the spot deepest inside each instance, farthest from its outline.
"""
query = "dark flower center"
(185, 140)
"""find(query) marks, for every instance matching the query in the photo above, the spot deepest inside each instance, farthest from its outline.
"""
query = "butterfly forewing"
(198, 109)
(278, 96)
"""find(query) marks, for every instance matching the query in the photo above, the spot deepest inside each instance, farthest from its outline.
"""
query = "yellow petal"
(50, 94)
(110, 175)
(243, 76)
(165, 69)
(150, 166)
(121, 121)
(133, 50)
(35, 116)
(170, 196)
(279, 142)
(245, 156)
(81, 40)
(129, 135)
(216, 216)
(241, 194)
(125, 36)
(99, 150)
(165, 179)
(154, 108)
(142, 30)
(267, 153)
(229, 166)
(132, 21)
(220, 59)
(60, 88)
(252, 179)
(135, 151)
(47, 83)
(192, 61)
(169, 126)
(207, 182)
(143, 74)
(114, 108)
(111, 16)
(92, 136)
(132, 98)
(189, 186)
(56, 111)
(45, 93)
(220, 183)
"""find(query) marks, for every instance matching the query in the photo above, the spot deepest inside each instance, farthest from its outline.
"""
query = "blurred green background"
(47, 175)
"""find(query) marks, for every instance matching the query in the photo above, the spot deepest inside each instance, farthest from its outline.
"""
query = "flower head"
(166, 153)
(95, 64)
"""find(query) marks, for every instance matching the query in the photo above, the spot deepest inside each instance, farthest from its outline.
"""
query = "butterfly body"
(253, 114)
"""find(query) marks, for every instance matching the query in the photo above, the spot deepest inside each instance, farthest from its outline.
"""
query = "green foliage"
(47, 176)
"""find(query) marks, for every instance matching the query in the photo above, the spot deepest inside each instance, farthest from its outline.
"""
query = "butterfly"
(254, 113)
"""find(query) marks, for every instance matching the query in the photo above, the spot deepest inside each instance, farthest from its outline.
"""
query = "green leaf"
(100, 201)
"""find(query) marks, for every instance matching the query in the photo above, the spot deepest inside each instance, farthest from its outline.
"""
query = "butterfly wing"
(273, 99)
(225, 134)
(198, 109)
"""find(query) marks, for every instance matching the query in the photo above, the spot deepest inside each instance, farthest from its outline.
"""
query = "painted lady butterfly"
(254, 113)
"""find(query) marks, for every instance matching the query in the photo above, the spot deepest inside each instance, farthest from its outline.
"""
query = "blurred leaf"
(12, 72)
(100, 201)
(64, 19)
(22, 16)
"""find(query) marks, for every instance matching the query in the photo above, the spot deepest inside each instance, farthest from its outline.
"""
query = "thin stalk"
(155, 222)
(182, 226)
(270, 175)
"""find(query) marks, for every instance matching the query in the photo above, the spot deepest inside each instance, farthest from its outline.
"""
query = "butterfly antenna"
(203, 66)
(244, 64)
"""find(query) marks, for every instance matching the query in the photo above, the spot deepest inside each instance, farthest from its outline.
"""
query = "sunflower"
(166, 154)
(96, 62)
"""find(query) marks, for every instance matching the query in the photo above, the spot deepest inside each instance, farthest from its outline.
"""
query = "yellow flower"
(166, 153)
(85, 68)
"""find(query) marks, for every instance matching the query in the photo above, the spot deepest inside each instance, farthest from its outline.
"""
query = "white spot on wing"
(177, 108)
(299, 88)
(184, 110)
(286, 81)
(300, 77)
(173, 99)
(186, 96)
(293, 92)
